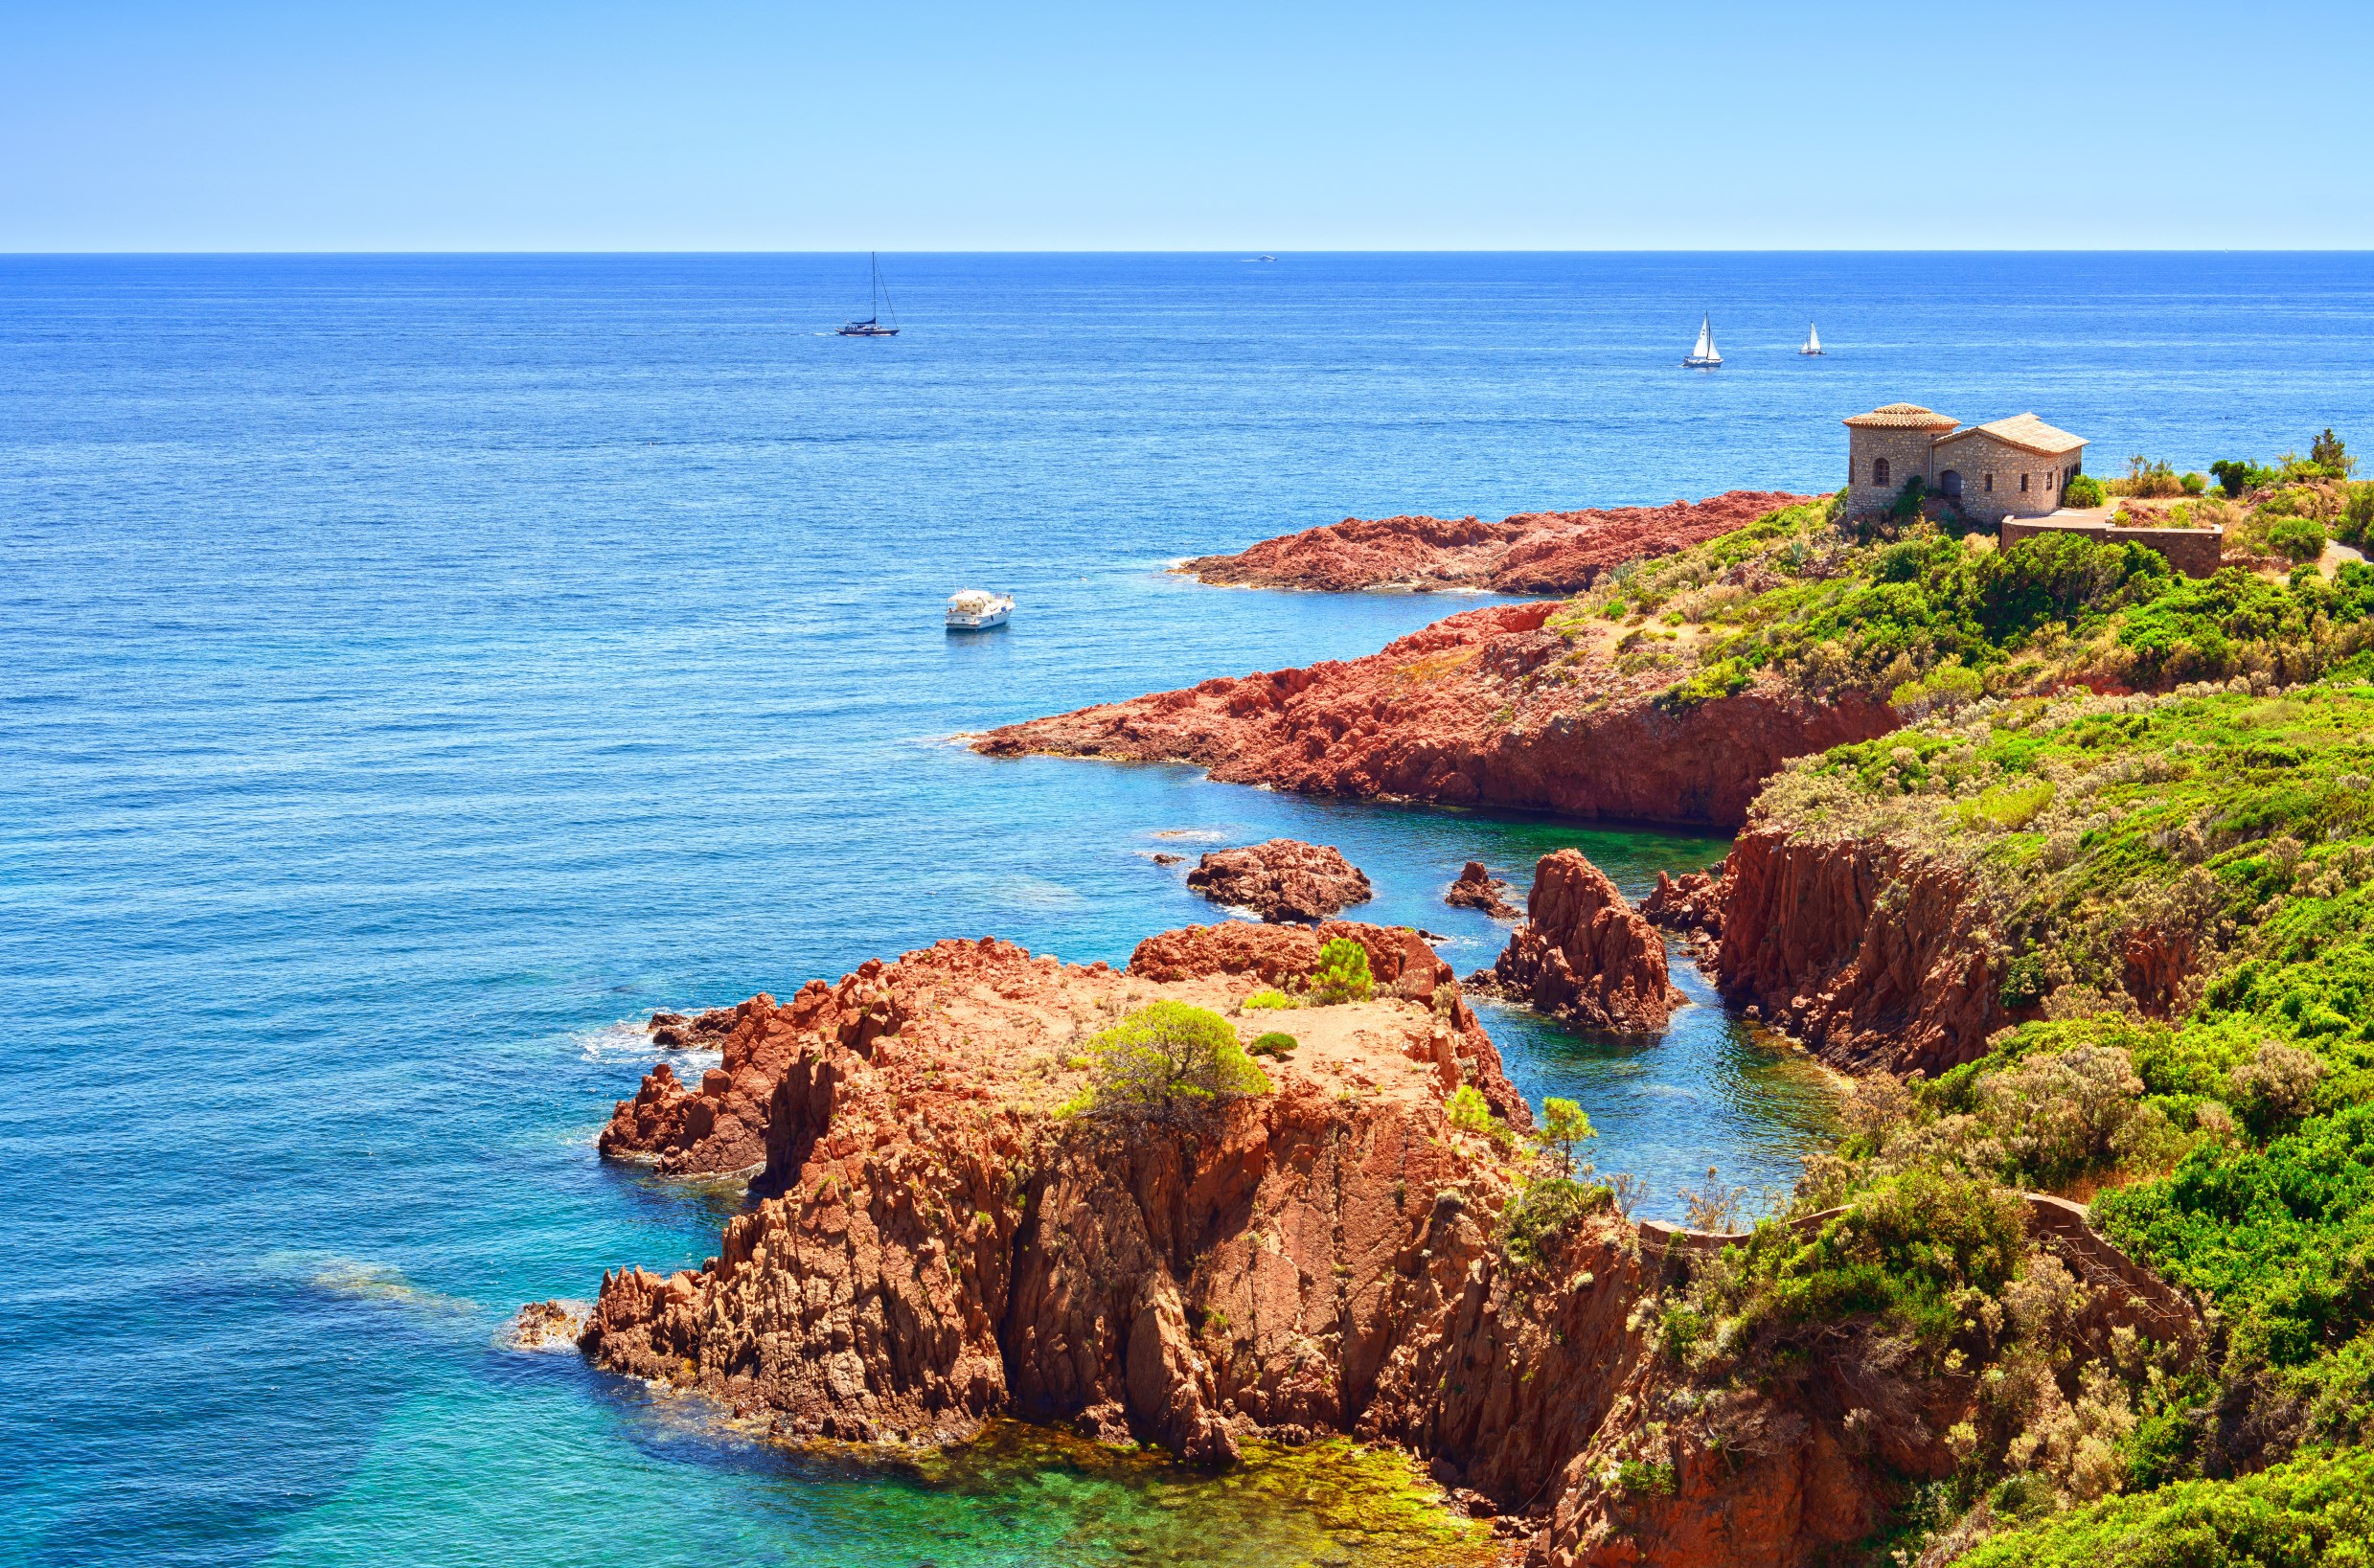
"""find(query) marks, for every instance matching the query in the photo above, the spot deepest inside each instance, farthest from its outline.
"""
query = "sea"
(415, 671)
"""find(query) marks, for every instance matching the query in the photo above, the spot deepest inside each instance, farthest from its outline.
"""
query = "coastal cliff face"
(1877, 958)
(1531, 553)
(1492, 707)
(936, 1245)
(1585, 954)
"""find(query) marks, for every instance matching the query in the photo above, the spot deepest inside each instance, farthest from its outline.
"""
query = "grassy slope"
(2223, 819)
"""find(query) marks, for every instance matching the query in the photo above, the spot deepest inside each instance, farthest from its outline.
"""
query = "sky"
(909, 124)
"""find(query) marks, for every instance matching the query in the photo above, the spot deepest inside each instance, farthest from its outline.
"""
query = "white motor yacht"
(976, 609)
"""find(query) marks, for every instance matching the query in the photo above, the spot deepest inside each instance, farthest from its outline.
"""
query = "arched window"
(1879, 472)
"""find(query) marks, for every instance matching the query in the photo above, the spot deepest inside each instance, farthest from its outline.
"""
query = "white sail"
(1813, 340)
(1704, 354)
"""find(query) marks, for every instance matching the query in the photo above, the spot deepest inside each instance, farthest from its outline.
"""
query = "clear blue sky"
(904, 126)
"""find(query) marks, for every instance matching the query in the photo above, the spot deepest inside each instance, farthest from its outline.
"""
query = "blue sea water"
(413, 671)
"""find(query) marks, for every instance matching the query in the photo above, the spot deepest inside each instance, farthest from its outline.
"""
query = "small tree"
(1165, 1061)
(2233, 476)
(2327, 452)
(1564, 1128)
(1343, 974)
(2082, 490)
(1470, 1112)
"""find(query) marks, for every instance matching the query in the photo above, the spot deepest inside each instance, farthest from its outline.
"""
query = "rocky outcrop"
(1282, 879)
(1495, 707)
(1585, 954)
(718, 1127)
(1478, 889)
(1875, 956)
(936, 1245)
(1691, 904)
(940, 1247)
(1531, 553)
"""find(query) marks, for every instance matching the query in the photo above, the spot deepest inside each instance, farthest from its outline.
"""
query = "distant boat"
(1813, 340)
(977, 610)
(871, 325)
(1703, 357)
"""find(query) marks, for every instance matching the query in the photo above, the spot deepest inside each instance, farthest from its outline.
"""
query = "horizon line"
(1002, 250)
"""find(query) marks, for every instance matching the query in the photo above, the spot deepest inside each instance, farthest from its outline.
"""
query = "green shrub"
(1166, 1060)
(2235, 476)
(2082, 490)
(2296, 538)
(1276, 1043)
(2316, 1511)
(2195, 484)
(1266, 1000)
(1635, 1475)
(1343, 974)
(1542, 1211)
(2357, 514)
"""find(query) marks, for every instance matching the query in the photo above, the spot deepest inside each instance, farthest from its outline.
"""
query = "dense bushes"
(2317, 1511)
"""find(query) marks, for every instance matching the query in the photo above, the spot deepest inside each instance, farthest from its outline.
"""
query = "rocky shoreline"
(1514, 706)
(2093, 962)
(1531, 553)
(933, 1244)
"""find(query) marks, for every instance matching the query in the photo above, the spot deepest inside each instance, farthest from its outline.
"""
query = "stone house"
(2014, 467)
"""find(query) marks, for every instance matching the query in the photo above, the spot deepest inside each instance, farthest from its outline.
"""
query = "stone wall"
(1906, 454)
(1975, 455)
(2194, 551)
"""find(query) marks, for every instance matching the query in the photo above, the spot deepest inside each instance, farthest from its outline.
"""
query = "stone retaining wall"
(2194, 551)
(2124, 1293)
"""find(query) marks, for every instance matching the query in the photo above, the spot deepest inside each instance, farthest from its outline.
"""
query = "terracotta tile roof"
(2026, 432)
(1902, 417)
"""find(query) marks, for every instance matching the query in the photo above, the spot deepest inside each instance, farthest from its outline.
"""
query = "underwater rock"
(1282, 879)
(1585, 954)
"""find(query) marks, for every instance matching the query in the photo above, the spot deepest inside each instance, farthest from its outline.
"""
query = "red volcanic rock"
(1691, 903)
(1492, 707)
(933, 1246)
(1283, 879)
(1399, 963)
(1532, 553)
(1876, 957)
(1478, 889)
(1585, 955)
(719, 1127)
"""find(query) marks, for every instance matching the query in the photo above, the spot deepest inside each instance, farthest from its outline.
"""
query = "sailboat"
(1703, 357)
(1813, 340)
(871, 325)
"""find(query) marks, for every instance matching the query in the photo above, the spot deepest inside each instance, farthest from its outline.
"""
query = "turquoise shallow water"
(414, 671)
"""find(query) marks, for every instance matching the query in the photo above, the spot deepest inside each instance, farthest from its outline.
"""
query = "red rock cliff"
(1585, 954)
(941, 1247)
(1532, 553)
(1492, 707)
(1875, 957)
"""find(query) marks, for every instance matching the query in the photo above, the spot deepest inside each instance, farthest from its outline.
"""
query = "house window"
(1990, 484)
(1879, 472)
(2024, 484)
